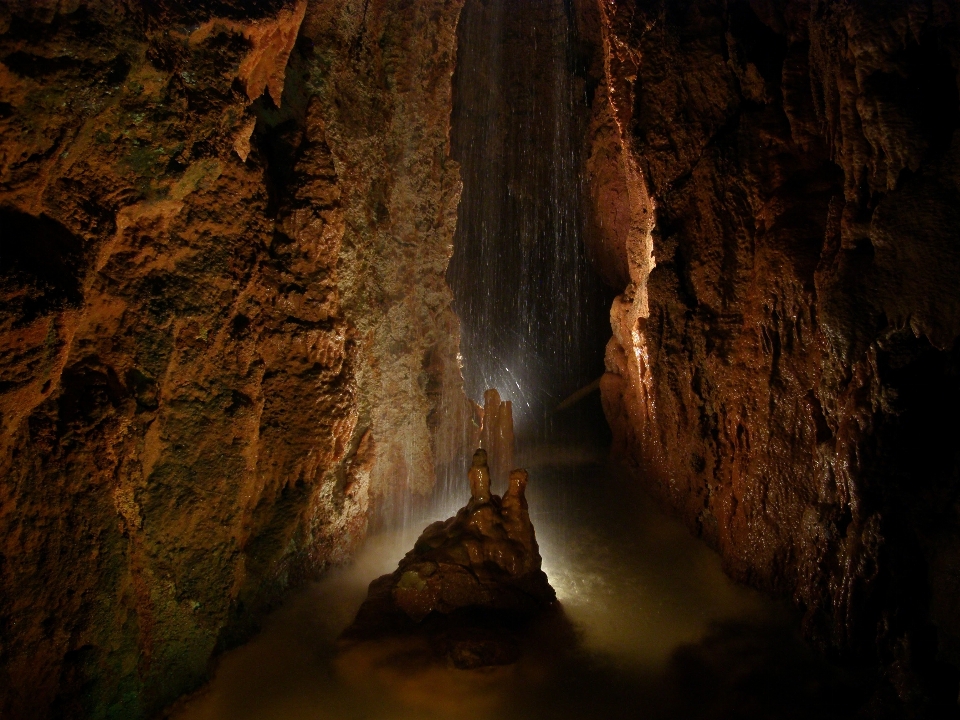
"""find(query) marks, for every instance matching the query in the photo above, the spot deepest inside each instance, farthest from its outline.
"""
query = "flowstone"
(470, 584)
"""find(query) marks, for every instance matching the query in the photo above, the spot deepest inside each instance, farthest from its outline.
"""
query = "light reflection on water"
(661, 632)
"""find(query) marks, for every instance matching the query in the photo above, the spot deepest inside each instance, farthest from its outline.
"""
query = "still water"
(658, 631)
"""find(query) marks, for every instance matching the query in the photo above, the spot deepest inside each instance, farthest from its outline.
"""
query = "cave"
(262, 263)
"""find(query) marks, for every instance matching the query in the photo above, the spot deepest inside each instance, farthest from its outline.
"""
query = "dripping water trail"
(533, 313)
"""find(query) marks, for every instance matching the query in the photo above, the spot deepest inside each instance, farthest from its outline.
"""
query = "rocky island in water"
(470, 585)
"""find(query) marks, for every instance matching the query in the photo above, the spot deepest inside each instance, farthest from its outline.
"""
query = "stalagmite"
(479, 476)
(484, 560)
(496, 435)
(516, 518)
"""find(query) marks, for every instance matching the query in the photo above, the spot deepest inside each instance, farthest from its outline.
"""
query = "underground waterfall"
(268, 267)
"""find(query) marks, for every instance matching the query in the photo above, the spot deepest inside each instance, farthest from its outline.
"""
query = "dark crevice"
(761, 45)
(42, 265)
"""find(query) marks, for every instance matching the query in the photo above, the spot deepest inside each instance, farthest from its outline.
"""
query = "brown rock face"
(225, 338)
(469, 582)
(496, 435)
(784, 366)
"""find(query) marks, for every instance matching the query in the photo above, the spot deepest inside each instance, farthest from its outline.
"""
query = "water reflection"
(659, 632)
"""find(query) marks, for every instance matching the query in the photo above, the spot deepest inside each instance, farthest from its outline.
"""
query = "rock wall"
(784, 362)
(225, 337)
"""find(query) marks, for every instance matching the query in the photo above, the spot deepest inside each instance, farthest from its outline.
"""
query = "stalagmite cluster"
(477, 572)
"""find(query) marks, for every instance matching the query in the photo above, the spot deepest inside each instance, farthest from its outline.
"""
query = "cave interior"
(261, 260)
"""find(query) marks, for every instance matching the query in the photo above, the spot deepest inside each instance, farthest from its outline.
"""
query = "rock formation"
(469, 583)
(226, 343)
(225, 337)
(479, 476)
(776, 184)
(496, 435)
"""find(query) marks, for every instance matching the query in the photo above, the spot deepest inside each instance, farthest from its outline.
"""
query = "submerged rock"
(470, 584)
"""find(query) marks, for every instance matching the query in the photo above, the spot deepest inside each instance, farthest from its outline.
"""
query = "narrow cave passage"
(261, 260)
(660, 631)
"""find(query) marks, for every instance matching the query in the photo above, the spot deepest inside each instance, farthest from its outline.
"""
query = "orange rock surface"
(225, 337)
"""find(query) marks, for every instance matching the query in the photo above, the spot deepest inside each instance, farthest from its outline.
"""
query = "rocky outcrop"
(784, 364)
(470, 583)
(225, 337)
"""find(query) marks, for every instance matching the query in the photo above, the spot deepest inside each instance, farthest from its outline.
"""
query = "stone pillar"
(496, 435)
(479, 476)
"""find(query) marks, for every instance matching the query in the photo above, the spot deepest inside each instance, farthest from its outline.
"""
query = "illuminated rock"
(496, 435)
(477, 570)
(479, 476)
(785, 378)
(516, 521)
(187, 338)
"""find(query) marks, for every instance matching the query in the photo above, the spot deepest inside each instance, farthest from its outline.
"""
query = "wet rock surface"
(471, 583)
(784, 366)
(225, 338)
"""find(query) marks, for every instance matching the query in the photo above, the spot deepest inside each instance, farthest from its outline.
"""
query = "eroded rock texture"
(225, 337)
(786, 376)
(470, 584)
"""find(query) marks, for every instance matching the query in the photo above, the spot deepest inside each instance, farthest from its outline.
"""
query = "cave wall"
(225, 338)
(784, 363)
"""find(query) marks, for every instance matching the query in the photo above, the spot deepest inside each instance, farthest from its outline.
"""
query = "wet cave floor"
(658, 631)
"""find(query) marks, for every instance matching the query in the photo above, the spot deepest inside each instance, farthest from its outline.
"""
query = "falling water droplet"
(528, 302)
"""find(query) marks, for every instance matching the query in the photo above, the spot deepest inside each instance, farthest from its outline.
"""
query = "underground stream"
(658, 630)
